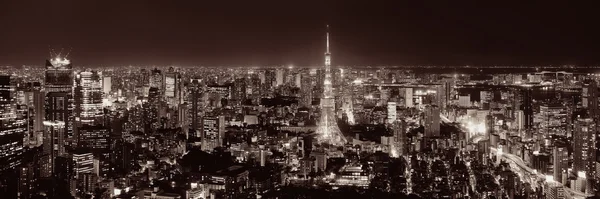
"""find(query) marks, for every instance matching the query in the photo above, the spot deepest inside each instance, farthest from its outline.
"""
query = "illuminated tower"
(88, 98)
(11, 137)
(328, 130)
(584, 152)
(58, 85)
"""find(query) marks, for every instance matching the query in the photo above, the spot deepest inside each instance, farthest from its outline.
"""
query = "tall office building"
(239, 90)
(97, 139)
(213, 130)
(391, 112)
(38, 112)
(279, 74)
(400, 147)
(11, 135)
(431, 121)
(584, 152)
(88, 98)
(54, 146)
(408, 97)
(441, 96)
(151, 109)
(106, 84)
(528, 107)
(171, 87)
(58, 84)
(27, 180)
(197, 105)
(560, 162)
(589, 98)
(156, 79)
(83, 161)
(554, 190)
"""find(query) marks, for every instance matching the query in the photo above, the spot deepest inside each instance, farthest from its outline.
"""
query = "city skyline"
(340, 100)
(272, 33)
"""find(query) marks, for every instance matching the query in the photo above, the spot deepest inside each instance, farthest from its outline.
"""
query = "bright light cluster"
(58, 61)
(476, 129)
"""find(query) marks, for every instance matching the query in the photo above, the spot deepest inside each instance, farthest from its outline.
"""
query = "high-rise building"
(83, 161)
(400, 147)
(197, 105)
(59, 93)
(441, 96)
(553, 119)
(391, 112)
(156, 79)
(560, 162)
(38, 113)
(11, 134)
(213, 132)
(408, 97)
(106, 84)
(27, 180)
(172, 88)
(528, 107)
(431, 121)
(540, 162)
(554, 190)
(151, 109)
(239, 90)
(279, 77)
(584, 152)
(54, 146)
(94, 137)
(97, 139)
(88, 98)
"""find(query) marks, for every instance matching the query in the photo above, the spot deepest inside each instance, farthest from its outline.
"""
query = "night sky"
(194, 32)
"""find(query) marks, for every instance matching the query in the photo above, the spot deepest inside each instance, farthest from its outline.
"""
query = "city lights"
(240, 109)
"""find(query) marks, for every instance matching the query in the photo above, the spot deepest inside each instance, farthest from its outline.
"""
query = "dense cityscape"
(298, 132)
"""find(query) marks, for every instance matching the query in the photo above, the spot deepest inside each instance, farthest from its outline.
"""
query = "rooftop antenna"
(61, 50)
(52, 53)
(68, 52)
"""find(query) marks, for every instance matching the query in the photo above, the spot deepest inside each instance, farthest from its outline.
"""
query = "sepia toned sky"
(193, 32)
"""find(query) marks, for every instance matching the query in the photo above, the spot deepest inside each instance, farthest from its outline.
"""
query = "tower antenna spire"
(327, 38)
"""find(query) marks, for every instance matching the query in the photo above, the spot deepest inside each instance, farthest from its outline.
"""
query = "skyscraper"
(213, 132)
(431, 121)
(528, 107)
(328, 130)
(83, 160)
(196, 108)
(156, 79)
(88, 98)
(560, 162)
(97, 139)
(11, 138)
(400, 147)
(171, 87)
(38, 115)
(106, 84)
(54, 146)
(391, 112)
(59, 93)
(584, 152)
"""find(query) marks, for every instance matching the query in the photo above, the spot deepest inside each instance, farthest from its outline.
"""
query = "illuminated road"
(514, 160)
